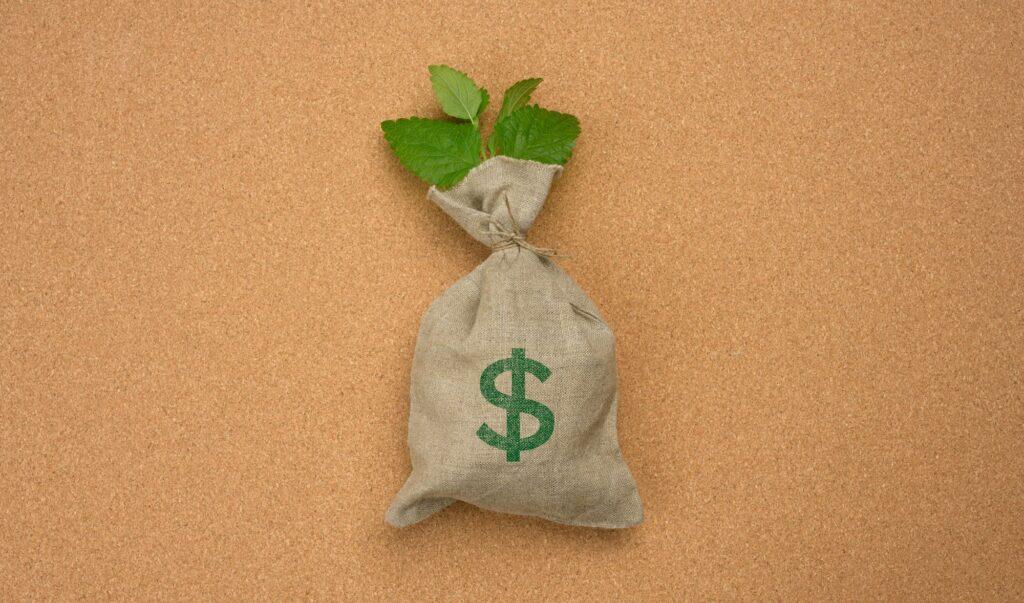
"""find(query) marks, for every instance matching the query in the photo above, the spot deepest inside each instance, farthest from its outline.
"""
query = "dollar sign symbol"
(515, 404)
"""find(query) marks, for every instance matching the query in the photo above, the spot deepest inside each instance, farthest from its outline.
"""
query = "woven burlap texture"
(516, 299)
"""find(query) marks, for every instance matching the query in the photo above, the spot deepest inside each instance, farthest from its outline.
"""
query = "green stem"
(476, 126)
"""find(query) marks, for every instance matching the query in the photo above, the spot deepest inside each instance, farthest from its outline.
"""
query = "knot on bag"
(506, 237)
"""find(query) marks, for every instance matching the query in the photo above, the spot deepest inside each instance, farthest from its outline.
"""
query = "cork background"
(804, 224)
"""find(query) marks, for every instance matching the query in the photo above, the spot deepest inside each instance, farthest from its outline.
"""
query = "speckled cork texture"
(803, 224)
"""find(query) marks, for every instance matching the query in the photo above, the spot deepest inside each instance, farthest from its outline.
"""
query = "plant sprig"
(443, 151)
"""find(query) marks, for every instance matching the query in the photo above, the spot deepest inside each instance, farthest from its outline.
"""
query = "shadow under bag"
(514, 387)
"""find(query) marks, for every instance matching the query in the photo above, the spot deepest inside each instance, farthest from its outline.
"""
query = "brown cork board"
(804, 225)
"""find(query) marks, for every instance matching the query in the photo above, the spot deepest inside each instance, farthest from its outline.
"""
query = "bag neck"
(500, 194)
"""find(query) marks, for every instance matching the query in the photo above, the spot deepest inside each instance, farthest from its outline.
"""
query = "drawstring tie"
(515, 238)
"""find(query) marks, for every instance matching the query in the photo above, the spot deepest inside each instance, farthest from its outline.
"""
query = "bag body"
(514, 387)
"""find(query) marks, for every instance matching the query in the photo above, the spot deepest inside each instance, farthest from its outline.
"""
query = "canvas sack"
(514, 387)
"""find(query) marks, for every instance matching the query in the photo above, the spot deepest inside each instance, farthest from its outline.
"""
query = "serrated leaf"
(517, 96)
(458, 95)
(440, 152)
(537, 134)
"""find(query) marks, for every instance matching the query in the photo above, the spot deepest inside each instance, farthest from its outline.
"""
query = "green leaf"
(458, 95)
(537, 134)
(517, 95)
(485, 99)
(440, 152)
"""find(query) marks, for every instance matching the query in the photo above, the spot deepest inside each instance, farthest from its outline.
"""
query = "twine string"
(514, 237)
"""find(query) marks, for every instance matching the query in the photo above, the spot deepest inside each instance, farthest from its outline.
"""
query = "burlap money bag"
(514, 386)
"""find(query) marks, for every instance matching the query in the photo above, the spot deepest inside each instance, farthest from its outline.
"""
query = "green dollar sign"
(517, 403)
